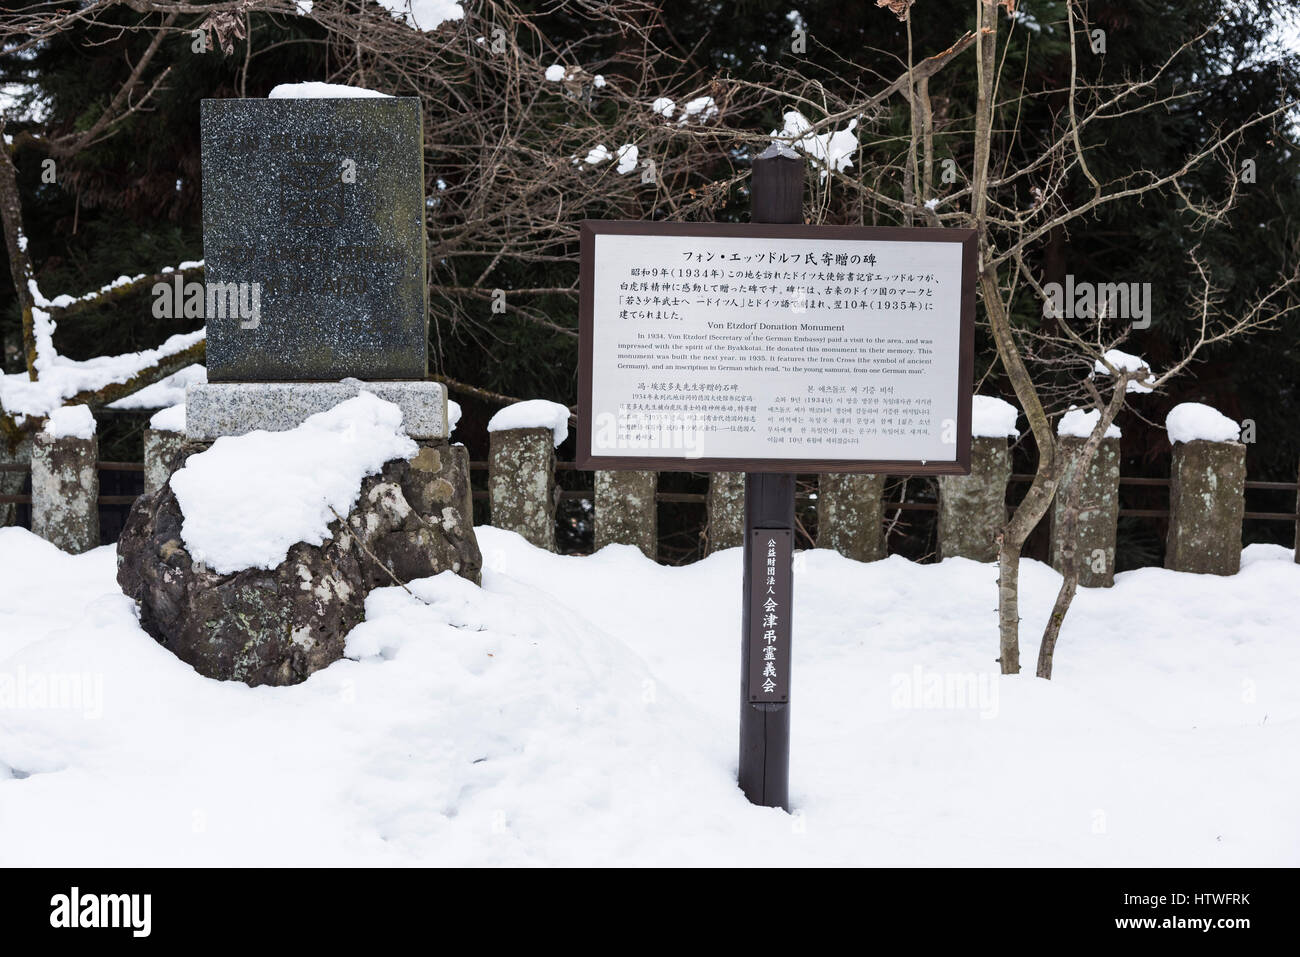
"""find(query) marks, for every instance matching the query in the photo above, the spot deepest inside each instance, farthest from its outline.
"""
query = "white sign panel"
(785, 345)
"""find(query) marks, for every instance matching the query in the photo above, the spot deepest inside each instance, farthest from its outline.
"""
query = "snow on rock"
(1079, 424)
(171, 419)
(1125, 362)
(555, 73)
(453, 415)
(992, 417)
(1189, 421)
(627, 158)
(424, 15)
(551, 727)
(533, 414)
(71, 422)
(249, 498)
(831, 151)
(664, 107)
(313, 90)
(165, 392)
(61, 377)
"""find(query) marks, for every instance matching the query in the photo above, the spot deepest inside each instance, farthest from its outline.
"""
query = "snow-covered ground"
(584, 711)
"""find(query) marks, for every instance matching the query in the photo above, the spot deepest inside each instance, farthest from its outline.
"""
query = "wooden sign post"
(776, 196)
(774, 348)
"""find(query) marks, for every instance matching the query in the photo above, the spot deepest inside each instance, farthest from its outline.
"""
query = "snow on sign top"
(533, 414)
(250, 498)
(1192, 421)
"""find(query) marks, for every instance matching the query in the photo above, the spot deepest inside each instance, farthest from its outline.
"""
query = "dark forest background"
(132, 203)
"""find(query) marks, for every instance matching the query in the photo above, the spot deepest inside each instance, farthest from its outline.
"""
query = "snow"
(1079, 424)
(71, 422)
(171, 419)
(453, 415)
(598, 154)
(1125, 362)
(598, 81)
(313, 90)
(61, 377)
(627, 158)
(249, 498)
(535, 721)
(831, 151)
(702, 109)
(555, 73)
(303, 7)
(164, 392)
(992, 417)
(664, 107)
(1189, 421)
(424, 15)
(533, 414)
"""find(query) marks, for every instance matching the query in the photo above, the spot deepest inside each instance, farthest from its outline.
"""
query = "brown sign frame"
(590, 229)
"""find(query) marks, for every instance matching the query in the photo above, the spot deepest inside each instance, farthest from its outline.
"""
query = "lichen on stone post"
(626, 510)
(972, 508)
(65, 491)
(1098, 521)
(726, 511)
(1207, 502)
(849, 515)
(521, 483)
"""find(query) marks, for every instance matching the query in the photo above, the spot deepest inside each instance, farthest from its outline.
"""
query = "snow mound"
(1127, 362)
(248, 499)
(1189, 421)
(71, 422)
(313, 90)
(992, 417)
(533, 414)
(1079, 424)
(171, 419)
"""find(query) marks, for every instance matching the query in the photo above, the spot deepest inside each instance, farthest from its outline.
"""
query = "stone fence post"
(1207, 491)
(972, 508)
(65, 480)
(162, 440)
(11, 483)
(521, 483)
(626, 511)
(849, 515)
(726, 511)
(1098, 523)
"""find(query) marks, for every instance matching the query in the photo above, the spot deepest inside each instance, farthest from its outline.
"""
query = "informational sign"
(776, 348)
(770, 603)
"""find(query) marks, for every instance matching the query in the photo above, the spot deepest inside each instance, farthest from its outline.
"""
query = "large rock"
(277, 627)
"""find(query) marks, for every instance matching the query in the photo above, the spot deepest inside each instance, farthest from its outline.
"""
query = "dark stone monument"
(320, 202)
